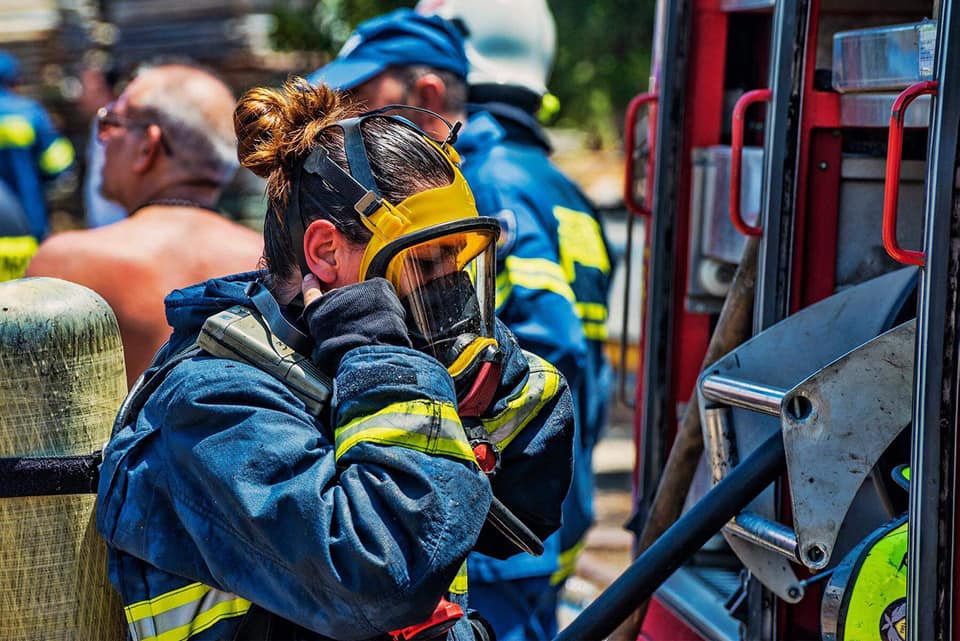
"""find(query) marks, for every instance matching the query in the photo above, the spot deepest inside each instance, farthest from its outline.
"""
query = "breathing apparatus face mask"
(433, 247)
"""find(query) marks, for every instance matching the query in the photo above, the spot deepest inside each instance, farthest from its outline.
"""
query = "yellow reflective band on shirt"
(538, 274)
(426, 426)
(567, 562)
(581, 241)
(182, 613)
(459, 585)
(57, 157)
(594, 319)
(15, 255)
(16, 132)
(542, 384)
(595, 331)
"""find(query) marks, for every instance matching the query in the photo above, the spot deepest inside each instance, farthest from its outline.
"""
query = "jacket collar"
(481, 133)
(189, 307)
(518, 125)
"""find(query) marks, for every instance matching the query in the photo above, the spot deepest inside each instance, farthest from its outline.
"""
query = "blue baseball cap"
(398, 39)
(9, 68)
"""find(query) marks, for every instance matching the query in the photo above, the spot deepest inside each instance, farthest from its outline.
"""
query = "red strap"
(482, 391)
(443, 618)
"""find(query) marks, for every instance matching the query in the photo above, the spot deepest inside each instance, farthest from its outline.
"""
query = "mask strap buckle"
(365, 201)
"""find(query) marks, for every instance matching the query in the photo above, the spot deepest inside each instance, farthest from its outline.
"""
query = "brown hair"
(277, 128)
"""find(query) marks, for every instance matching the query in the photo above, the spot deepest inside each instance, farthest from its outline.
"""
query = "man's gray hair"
(202, 139)
(455, 97)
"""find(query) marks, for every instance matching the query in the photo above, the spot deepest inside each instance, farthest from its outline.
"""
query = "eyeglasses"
(108, 119)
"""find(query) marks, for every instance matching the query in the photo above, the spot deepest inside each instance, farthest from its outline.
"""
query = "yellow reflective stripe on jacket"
(182, 613)
(426, 426)
(542, 384)
(532, 273)
(595, 331)
(459, 585)
(567, 562)
(594, 319)
(581, 241)
(15, 255)
(57, 157)
(16, 132)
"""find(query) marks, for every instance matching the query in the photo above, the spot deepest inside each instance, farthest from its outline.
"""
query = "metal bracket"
(746, 534)
(836, 424)
(749, 393)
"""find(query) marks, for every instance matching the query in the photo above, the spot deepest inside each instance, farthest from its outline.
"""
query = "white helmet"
(508, 42)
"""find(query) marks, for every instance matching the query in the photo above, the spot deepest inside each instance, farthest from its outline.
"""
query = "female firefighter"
(235, 507)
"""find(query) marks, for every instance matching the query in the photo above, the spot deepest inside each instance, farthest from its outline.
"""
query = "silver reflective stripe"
(426, 426)
(182, 613)
(541, 385)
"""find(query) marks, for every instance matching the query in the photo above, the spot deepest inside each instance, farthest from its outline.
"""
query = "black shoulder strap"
(269, 309)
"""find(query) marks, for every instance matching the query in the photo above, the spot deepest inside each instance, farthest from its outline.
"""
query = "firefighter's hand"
(310, 288)
(365, 313)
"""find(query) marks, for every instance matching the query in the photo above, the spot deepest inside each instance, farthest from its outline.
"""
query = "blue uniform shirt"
(31, 151)
(553, 278)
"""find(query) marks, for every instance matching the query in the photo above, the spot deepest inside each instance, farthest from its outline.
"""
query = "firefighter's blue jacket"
(553, 277)
(31, 151)
(225, 497)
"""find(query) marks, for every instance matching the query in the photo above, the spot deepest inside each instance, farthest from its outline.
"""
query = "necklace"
(175, 202)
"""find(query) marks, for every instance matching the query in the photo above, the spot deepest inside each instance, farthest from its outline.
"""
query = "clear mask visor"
(447, 285)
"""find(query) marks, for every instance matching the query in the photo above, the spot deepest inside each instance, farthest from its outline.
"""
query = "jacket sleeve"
(349, 536)
(55, 153)
(531, 422)
(534, 296)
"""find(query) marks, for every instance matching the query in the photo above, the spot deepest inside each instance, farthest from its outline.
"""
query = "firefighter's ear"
(429, 91)
(320, 242)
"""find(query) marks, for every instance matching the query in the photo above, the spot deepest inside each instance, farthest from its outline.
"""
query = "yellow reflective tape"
(182, 613)
(411, 440)
(459, 585)
(592, 311)
(595, 331)
(205, 620)
(594, 320)
(537, 274)
(15, 255)
(405, 409)
(542, 385)
(57, 157)
(16, 132)
(567, 562)
(426, 426)
(170, 600)
(469, 355)
(581, 241)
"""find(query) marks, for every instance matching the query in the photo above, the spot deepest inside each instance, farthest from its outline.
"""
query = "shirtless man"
(169, 149)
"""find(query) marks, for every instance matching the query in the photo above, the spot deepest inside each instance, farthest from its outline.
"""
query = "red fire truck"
(795, 164)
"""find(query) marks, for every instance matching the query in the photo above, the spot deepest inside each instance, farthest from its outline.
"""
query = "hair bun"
(276, 126)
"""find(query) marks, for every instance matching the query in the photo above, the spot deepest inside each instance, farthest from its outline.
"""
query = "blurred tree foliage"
(603, 51)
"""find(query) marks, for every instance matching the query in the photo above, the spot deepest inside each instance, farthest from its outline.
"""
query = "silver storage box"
(715, 244)
(884, 58)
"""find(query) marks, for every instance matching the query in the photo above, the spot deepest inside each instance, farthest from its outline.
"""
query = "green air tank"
(61, 383)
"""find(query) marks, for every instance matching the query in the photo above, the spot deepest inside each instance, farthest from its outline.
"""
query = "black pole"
(743, 484)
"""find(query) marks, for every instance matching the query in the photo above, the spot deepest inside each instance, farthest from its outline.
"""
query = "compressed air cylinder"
(61, 383)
